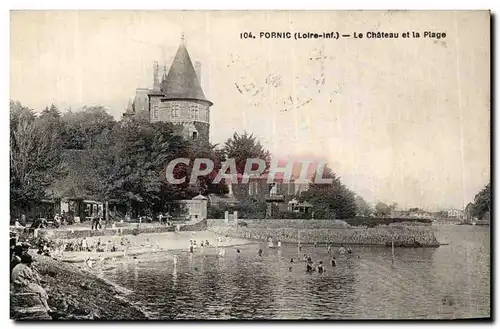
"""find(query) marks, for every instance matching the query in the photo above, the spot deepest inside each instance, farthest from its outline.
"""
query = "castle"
(178, 98)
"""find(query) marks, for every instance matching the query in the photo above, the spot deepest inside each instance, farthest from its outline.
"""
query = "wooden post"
(392, 243)
(298, 244)
(106, 213)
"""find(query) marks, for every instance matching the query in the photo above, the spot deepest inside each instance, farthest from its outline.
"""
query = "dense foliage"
(373, 221)
(331, 201)
(243, 147)
(482, 202)
(35, 153)
(88, 154)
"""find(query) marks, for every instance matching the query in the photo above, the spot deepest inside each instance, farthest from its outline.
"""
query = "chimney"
(197, 68)
(156, 81)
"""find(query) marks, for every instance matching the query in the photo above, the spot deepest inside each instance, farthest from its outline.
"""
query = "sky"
(402, 120)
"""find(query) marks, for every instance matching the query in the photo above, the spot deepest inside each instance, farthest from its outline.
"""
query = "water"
(448, 282)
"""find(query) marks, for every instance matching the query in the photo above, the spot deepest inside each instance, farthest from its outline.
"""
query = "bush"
(290, 215)
(246, 209)
(215, 213)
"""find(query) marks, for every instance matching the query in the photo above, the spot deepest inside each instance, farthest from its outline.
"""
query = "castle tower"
(184, 102)
(177, 98)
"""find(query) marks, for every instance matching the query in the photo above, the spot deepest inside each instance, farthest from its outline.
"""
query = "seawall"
(402, 235)
(130, 229)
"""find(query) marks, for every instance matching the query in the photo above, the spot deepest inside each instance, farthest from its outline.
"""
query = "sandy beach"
(150, 243)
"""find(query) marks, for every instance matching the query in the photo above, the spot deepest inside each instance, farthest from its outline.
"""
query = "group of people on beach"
(193, 245)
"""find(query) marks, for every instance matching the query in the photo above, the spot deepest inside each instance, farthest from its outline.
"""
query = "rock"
(84, 286)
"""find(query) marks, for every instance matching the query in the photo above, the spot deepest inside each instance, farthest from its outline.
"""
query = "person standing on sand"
(260, 252)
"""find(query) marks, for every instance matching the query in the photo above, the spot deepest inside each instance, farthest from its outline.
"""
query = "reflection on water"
(448, 282)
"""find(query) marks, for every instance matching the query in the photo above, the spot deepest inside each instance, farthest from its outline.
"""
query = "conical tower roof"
(181, 81)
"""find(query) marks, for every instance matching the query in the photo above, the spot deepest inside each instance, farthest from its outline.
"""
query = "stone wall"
(78, 234)
(404, 236)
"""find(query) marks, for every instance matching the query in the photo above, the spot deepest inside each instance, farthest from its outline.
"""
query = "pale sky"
(399, 120)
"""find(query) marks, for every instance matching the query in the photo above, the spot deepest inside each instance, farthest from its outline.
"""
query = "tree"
(362, 207)
(35, 155)
(51, 111)
(81, 128)
(331, 200)
(129, 164)
(482, 202)
(381, 209)
(205, 183)
(244, 147)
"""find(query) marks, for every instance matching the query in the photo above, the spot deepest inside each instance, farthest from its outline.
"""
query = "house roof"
(199, 197)
(181, 81)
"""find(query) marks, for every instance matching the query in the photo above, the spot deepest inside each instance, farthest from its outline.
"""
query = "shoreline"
(150, 244)
(402, 236)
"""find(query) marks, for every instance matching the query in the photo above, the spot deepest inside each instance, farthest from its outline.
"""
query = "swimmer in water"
(320, 267)
(260, 252)
(291, 260)
(309, 268)
(334, 262)
(238, 251)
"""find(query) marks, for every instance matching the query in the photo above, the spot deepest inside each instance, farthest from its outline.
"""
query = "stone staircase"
(27, 306)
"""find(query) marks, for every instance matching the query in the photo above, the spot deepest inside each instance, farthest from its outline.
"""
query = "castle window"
(194, 111)
(175, 110)
(195, 135)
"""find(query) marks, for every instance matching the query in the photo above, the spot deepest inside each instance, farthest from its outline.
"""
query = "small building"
(193, 209)
(455, 213)
(299, 207)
